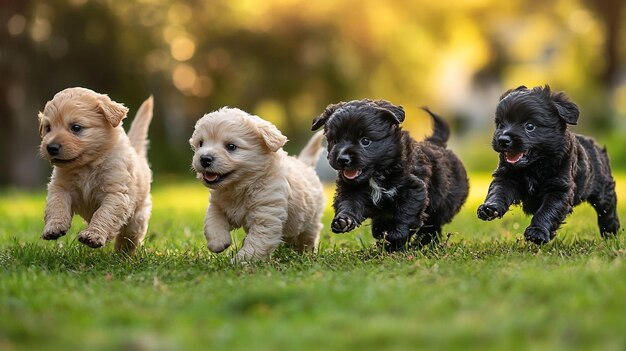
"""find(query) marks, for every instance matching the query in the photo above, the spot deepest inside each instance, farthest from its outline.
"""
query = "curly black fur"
(545, 167)
(404, 186)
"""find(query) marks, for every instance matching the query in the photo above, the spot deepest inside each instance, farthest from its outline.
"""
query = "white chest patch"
(378, 192)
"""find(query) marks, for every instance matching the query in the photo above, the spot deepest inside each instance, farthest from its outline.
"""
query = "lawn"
(483, 288)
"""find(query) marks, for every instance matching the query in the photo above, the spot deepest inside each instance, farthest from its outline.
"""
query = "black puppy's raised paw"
(342, 224)
(537, 235)
(490, 211)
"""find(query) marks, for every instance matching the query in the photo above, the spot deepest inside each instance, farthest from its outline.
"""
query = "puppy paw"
(537, 235)
(396, 245)
(490, 211)
(609, 227)
(53, 231)
(217, 245)
(244, 257)
(91, 238)
(240, 261)
(342, 224)
(395, 240)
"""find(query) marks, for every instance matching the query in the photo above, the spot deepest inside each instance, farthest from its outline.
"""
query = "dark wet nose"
(206, 160)
(344, 160)
(53, 149)
(504, 140)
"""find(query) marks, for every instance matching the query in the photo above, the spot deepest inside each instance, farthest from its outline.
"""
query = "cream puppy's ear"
(114, 112)
(272, 137)
(193, 143)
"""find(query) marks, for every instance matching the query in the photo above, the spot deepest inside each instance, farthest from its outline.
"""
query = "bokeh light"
(182, 48)
(184, 77)
(286, 60)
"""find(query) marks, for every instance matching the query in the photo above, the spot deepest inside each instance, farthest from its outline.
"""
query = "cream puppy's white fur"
(256, 185)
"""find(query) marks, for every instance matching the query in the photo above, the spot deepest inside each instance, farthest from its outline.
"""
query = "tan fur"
(310, 154)
(107, 181)
(273, 196)
(139, 128)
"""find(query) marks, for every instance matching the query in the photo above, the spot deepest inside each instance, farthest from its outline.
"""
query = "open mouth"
(514, 157)
(351, 173)
(210, 178)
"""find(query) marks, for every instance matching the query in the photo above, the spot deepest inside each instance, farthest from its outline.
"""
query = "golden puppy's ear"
(114, 112)
(39, 118)
(272, 137)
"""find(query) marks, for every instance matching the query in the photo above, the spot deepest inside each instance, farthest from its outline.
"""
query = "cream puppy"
(99, 172)
(256, 185)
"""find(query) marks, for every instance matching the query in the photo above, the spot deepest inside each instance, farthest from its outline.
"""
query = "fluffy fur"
(256, 185)
(545, 167)
(99, 172)
(403, 185)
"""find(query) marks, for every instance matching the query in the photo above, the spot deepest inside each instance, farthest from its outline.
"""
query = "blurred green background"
(285, 60)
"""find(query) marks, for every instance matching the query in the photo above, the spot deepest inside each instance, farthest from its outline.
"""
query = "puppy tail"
(441, 130)
(311, 152)
(138, 132)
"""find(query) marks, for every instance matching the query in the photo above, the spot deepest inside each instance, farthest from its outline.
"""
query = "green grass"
(481, 289)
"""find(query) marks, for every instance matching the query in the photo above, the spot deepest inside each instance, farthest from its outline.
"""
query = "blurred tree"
(611, 13)
(285, 60)
(46, 47)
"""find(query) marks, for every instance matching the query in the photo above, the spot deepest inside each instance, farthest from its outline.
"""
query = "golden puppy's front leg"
(107, 221)
(265, 232)
(58, 213)
(216, 229)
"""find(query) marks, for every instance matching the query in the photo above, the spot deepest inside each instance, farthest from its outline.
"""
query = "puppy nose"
(206, 160)
(53, 149)
(344, 160)
(504, 140)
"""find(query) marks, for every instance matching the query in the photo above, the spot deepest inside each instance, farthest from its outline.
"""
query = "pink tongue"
(514, 157)
(209, 177)
(351, 174)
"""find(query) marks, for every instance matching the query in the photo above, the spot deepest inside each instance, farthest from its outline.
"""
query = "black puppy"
(545, 167)
(384, 174)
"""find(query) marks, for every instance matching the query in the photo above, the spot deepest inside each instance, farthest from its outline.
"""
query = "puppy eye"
(498, 124)
(529, 127)
(200, 143)
(76, 128)
(365, 142)
(46, 129)
(230, 147)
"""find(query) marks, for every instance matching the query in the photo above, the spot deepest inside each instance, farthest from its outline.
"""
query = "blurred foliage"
(285, 60)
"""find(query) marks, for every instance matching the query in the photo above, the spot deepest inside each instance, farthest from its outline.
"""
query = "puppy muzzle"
(206, 161)
(347, 168)
(512, 150)
(504, 141)
(53, 149)
(208, 170)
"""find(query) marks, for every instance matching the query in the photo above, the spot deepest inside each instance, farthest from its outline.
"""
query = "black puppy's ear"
(321, 119)
(568, 110)
(396, 112)
(508, 92)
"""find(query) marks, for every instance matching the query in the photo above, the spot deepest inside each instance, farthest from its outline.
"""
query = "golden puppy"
(256, 185)
(99, 172)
